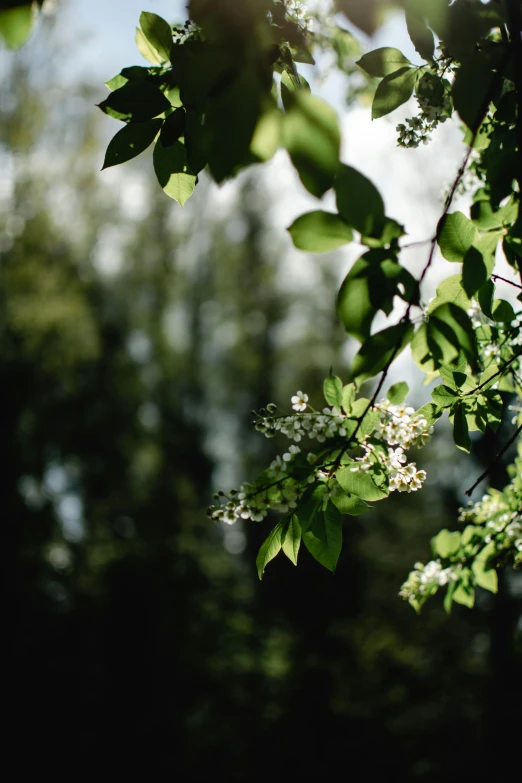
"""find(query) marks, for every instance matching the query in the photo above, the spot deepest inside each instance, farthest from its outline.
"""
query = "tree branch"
(494, 460)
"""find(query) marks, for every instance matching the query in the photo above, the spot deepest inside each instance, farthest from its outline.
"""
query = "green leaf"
(325, 537)
(355, 308)
(473, 83)
(289, 85)
(464, 594)
(312, 139)
(445, 543)
(310, 505)
(371, 285)
(320, 231)
(389, 230)
(493, 405)
(348, 504)
(368, 424)
(383, 61)
(486, 218)
(450, 290)
(393, 91)
(359, 407)
(489, 377)
(231, 118)
(444, 397)
(455, 235)
(360, 483)
(503, 311)
(485, 298)
(468, 534)
(348, 397)
(359, 202)
(16, 24)
(485, 578)
(448, 598)
(269, 549)
(267, 135)
(135, 102)
(420, 351)
(158, 33)
(291, 539)
(135, 73)
(173, 127)
(449, 331)
(146, 50)
(479, 262)
(380, 349)
(460, 430)
(130, 141)
(420, 34)
(172, 171)
(397, 393)
(333, 391)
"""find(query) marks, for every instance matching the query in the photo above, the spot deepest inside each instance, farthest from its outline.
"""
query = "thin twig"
(415, 244)
(498, 372)
(505, 280)
(494, 461)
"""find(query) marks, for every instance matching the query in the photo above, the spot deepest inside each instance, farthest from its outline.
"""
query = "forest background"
(135, 339)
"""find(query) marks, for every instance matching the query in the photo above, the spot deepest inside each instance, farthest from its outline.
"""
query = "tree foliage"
(223, 92)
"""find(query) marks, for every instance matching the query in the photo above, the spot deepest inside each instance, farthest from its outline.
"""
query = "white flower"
(276, 469)
(299, 401)
(290, 454)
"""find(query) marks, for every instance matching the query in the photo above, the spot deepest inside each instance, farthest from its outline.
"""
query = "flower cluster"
(403, 477)
(435, 107)
(390, 430)
(280, 493)
(329, 423)
(242, 504)
(401, 427)
(398, 426)
(495, 339)
(299, 14)
(425, 580)
(500, 514)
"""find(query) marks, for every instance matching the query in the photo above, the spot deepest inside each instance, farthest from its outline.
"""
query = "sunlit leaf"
(16, 24)
(380, 349)
(269, 549)
(320, 231)
(456, 234)
(291, 539)
(146, 50)
(360, 484)
(445, 543)
(172, 171)
(397, 393)
(383, 61)
(333, 391)
(157, 32)
(312, 139)
(393, 91)
(324, 537)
